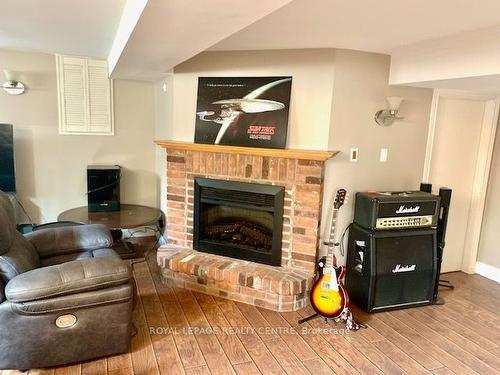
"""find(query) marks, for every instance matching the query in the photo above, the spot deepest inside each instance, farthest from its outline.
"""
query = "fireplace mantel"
(314, 155)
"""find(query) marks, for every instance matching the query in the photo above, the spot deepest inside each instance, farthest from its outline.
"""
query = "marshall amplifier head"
(396, 210)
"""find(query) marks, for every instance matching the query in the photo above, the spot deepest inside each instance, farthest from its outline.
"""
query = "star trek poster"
(243, 111)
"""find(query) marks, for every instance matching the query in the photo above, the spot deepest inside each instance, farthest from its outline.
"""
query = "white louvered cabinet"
(85, 96)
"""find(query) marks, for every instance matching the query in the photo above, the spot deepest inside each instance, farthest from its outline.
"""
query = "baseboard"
(490, 272)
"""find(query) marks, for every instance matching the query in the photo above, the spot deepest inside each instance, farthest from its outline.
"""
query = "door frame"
(482, 169)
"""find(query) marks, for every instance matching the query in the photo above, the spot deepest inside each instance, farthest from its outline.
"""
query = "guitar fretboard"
(330, 255)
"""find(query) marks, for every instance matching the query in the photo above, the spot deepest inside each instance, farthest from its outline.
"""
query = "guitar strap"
(349, 321)
(335, 245)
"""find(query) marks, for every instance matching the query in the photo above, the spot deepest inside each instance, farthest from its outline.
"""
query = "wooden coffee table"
(130, 216)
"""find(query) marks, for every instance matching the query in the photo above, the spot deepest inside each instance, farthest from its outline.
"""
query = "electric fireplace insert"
(239, 220)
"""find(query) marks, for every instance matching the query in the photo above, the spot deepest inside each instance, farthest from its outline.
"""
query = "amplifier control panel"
(404, 222)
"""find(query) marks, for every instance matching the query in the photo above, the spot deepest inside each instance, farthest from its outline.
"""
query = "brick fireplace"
(300, 173)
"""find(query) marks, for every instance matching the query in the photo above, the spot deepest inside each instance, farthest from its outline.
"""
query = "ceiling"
(170, 32)
(85, 27)
(375, 26)
(146, 39)
(487, 84)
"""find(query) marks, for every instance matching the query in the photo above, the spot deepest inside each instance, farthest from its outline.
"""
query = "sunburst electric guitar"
(329, 297)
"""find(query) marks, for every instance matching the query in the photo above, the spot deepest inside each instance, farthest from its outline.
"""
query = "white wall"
(468, 54)
(312, 83)
(489, 252)
(163, 95)
(458, 126)
(335, 94)
(359, 91)
(51, 168)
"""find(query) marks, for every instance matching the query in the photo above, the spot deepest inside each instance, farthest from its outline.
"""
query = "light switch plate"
(354, 154)
(383, 154)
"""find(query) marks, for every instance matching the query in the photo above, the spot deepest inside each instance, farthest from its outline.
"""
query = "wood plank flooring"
(183, 332)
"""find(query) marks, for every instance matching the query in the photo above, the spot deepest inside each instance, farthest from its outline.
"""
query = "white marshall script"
(400, 268)
(407, 210)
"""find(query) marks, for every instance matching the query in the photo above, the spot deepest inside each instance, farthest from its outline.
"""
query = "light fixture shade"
(394, 102)
(12, 85)
(9, 75)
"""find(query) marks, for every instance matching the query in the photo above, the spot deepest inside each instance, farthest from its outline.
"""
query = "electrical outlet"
(383, 155)
(354, 154)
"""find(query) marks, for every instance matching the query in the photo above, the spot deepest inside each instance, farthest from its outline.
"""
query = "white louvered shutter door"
(72, 93)
(85, 96)
(99, 97)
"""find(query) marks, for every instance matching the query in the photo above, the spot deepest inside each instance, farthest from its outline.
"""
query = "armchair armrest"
(64, 240)
(2, 291)
(67, 278)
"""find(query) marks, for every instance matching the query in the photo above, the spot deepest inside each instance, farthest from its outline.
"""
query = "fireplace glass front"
(238, 220)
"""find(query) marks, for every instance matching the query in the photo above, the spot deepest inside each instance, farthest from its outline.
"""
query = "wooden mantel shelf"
(270, 152)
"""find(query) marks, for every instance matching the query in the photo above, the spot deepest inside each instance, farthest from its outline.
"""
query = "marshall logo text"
(407, 210)
(399, 268)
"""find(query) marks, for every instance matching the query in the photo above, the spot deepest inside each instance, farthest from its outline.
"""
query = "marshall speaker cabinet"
(103, 187)
(391, 258)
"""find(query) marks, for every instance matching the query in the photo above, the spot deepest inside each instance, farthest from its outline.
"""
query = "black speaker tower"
(445, 194)
(445, 201)
(426, 187)
(103, 187)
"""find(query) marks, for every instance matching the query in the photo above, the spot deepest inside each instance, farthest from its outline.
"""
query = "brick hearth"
(275, 288)
(279, 288)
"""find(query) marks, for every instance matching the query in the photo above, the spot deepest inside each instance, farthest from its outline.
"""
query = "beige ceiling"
(368, 25)
(74, 27)
(169, 32)
(164, 33)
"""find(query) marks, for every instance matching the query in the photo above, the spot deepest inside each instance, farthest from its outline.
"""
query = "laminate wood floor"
(182, 332)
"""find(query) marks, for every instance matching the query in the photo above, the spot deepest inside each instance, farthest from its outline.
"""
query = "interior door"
(454, 157)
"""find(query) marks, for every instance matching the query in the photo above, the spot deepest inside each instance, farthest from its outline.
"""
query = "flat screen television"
(7, 172)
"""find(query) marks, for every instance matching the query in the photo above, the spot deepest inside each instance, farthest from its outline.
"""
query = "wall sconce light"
(386, 117)
(12, 86)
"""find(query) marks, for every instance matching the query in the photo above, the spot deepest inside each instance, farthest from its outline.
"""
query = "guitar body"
(328, 296)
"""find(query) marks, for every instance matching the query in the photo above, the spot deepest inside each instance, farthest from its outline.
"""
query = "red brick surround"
(275, 288)
(303, 182)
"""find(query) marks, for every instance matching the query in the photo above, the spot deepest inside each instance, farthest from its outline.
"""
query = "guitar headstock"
(340, 198)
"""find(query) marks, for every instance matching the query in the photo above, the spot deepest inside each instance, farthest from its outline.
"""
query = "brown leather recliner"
(65, 296)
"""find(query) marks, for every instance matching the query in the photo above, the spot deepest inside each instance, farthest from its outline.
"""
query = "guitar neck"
(330, 255)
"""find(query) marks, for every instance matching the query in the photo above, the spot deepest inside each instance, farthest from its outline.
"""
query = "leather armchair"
(65, 295)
